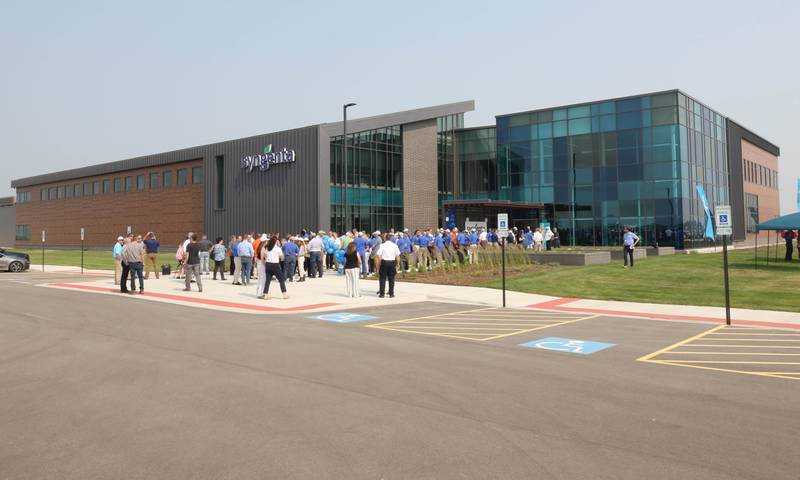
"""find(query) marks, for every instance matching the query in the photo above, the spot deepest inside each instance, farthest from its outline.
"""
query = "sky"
(85, 82)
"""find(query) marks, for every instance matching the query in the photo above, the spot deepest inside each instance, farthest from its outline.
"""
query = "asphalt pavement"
(98, 386)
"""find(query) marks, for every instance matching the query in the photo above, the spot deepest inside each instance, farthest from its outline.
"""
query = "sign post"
(82, 235)
(725, 228)
(502, 232)
(43, 239)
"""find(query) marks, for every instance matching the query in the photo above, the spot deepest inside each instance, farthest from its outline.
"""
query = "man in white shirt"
(389, 254)
(315, 248)
(548, 235)
(538, 238)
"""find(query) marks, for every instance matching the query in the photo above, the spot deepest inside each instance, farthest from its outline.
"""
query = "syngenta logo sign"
(265, 160)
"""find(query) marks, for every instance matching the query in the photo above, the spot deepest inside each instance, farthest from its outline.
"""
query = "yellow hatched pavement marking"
(489, 320)
(663, 356)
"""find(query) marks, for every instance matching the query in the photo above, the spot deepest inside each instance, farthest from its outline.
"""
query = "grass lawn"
(92, 259)
(680, 279)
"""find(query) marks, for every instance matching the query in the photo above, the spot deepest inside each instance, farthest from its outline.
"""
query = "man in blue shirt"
(290, 251)
(361, 249)
(246, 255)
(629, 242)
(118, 260)
(237, 262)
(438, 243)
(423, 254)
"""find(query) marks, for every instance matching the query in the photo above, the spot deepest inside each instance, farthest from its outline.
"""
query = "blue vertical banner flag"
(709, 223)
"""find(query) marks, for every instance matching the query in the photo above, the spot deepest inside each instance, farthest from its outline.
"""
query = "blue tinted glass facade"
(600, 166)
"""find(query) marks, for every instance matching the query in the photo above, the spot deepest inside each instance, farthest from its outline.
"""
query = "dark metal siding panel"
(146, 161)
(284, 198)
(736, 179)
(324, 181)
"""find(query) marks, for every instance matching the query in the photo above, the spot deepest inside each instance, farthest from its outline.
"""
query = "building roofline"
(133, 163)
(481, 127)
(398, 118)
(755, 138)
(185, 154)
(556, 107)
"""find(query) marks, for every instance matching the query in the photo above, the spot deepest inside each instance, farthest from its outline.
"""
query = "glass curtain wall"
(604, 165)
(476, 154)
(375, 180)
(445, 128)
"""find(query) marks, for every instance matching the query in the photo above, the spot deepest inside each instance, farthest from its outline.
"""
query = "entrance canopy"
(786, 222)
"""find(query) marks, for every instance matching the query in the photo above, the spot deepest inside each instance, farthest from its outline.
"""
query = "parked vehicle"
(14, 261)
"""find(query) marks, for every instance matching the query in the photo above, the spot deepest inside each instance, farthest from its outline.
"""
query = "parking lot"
(99, 386)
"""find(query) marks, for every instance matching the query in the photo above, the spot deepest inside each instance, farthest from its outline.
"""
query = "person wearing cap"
(423, 253)
(438, 247)
(361, 249)
(290, 252)
(315, 248)
(261, 277)
(401, 242)
(374, 245)
(474, 238)
(118, 260)
(389, 256)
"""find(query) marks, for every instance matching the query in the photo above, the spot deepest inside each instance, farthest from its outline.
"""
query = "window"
(153, 181)
(23, 232)
(87, 189)
(23, 197)
(117, 185)
(106, 186)
(51, 193)
(60, 193)
(43, 195)
(96, 188)
(751, 205)
(197, 175)
(77, 190)
(68, 191)
(128, 184)
(181, 176)
(166, 178)
(140, 182)
(219, 162)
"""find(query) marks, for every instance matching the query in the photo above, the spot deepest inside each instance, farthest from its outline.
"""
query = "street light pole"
(344, 161)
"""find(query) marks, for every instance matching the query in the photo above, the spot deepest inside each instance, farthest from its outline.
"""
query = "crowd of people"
(306, 255)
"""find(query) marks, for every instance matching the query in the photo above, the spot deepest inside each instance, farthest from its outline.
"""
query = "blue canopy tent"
(786, 222)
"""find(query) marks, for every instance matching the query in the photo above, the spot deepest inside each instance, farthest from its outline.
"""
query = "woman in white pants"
(352, 269)
(301, 259)
(261, 277)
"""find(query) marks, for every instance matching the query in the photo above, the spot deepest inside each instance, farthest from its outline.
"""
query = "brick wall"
(768, 196)
(420, 183)
(170, 212)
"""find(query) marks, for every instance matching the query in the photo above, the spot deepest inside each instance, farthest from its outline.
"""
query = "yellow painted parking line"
(733, 353)
(728, 370)
(753, 339)
(732, 361)
(742, 346)
(676, 345)
(759, 353)
(543, 327)
(479, 324)
(764, 334)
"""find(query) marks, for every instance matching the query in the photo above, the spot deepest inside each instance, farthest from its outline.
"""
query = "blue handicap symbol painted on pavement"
(569, 345)
(343, 317)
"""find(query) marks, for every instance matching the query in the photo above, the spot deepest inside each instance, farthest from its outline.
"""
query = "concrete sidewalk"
(328, 293)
